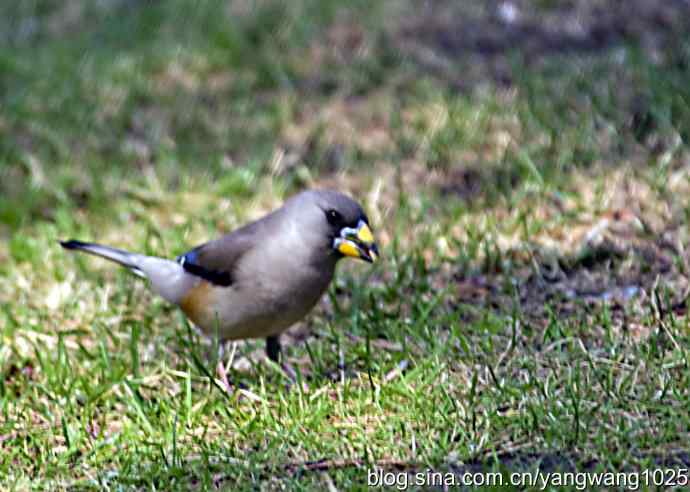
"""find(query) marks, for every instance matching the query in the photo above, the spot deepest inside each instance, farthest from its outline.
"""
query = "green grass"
(528, 310)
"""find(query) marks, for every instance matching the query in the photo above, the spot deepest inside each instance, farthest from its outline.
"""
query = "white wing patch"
(168, 278)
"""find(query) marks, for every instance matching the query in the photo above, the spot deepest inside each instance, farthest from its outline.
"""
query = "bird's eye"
(334, 218)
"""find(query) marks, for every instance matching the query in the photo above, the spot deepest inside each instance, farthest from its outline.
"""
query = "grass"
(529, 310)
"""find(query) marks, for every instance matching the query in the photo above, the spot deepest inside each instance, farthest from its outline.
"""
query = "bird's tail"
(167, 277)
(124, 258)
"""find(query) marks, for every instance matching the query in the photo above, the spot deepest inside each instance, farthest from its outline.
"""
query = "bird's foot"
(293, 378)
(223, 376)
(273, 352)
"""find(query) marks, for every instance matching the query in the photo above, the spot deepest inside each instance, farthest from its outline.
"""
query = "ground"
(525, 166)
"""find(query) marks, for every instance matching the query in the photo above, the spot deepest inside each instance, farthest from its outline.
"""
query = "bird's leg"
(273, 348)
(221, 369)
(273, 352)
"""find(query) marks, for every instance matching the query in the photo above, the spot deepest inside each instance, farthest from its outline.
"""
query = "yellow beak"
(357, 243)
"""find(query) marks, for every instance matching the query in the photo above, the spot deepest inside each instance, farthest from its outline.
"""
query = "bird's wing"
(216, 260)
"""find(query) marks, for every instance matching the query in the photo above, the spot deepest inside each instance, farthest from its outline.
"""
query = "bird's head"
(338, 223)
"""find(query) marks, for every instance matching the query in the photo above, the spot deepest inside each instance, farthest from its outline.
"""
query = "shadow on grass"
(620, 277)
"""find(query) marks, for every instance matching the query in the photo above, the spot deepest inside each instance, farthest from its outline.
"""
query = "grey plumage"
(124, 258)
(263, 277)
(167, 277)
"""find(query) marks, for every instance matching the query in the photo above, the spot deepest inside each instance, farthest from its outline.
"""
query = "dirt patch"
(484, 37)
(631, 259)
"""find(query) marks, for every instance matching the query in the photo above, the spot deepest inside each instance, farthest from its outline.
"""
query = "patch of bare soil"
(483, 37)
(631, 259)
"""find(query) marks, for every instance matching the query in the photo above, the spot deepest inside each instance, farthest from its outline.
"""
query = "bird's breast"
(258, 304)
(198, 302)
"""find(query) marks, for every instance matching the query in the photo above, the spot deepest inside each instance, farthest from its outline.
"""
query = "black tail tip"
(72, 244)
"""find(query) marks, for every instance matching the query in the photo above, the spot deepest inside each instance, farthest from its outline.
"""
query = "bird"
(260, 279)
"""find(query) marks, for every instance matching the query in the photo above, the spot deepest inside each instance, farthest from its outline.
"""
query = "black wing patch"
(188, 262)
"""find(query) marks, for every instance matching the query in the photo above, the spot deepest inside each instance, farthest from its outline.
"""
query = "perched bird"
(260, 279)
